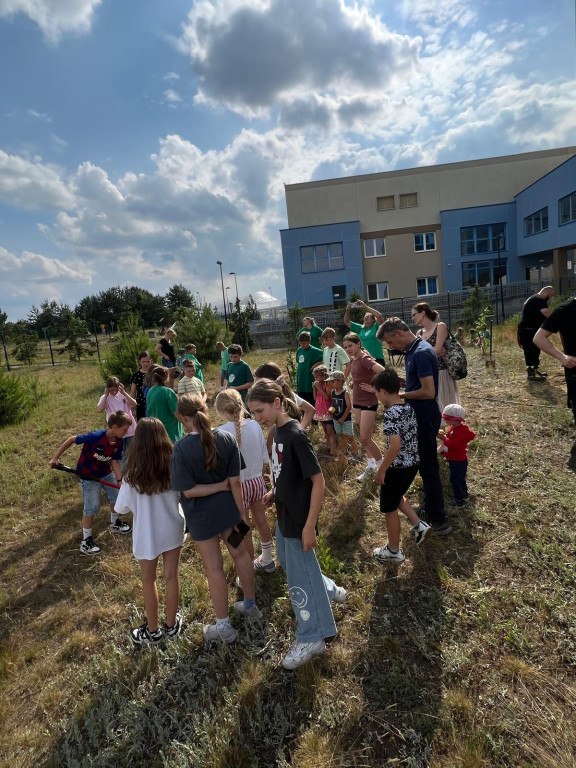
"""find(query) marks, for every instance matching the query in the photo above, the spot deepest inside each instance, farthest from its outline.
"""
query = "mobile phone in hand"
(235, 538)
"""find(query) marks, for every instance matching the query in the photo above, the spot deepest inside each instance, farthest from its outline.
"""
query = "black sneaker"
(142, 636)
(87, 547)
(176, 628)
(441, 530)
(120, 527)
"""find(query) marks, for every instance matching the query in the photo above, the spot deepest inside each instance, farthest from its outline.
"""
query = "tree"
(122, 358)
(251, 309)
(107, 307)
(26, 344)
(239, 325)
(3, 321)
(74, 338)
(50, 314)
(203, 328)
(475, 305)
(296, 313)
(178, 296)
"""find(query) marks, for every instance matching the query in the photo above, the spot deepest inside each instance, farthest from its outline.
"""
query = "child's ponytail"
(265, 391)
(193, 407)
(229, 406)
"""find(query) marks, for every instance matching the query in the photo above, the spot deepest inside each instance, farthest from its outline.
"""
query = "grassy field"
(464, 656)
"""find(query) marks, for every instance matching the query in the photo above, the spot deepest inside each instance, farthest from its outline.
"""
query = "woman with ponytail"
(298, 493)
(161, 401)
(206, 471)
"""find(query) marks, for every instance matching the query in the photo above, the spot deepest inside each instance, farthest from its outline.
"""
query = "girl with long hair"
(206, 467)
(272, 372)
(298, 493)
(158, 526)
(364, 401)
(248, 434)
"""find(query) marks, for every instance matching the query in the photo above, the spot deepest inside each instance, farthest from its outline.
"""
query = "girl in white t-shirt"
(158, 526)
(248, 434)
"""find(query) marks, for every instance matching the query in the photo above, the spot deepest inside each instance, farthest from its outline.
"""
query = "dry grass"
(463, 657)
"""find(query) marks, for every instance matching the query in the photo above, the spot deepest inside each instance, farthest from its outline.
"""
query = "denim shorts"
(91, 494)
(343, 429)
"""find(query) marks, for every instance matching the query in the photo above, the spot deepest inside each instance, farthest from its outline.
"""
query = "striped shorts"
(253, 490)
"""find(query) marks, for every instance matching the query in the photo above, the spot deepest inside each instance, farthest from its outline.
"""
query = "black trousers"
(531, 351)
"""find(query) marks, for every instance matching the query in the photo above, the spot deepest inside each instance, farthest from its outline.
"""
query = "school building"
(424, 231)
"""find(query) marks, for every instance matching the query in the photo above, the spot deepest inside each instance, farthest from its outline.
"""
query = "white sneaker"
(252, 614)
(87, 547)
(385, 555)
(339, 595)
(300, 653)
(213, 634)
(368, 473)
(421, 531)
(238, 582)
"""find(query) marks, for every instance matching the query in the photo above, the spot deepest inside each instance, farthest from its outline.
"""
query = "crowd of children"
(174, 472)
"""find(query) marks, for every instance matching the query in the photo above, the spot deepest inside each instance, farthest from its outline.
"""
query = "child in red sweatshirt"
(455, 449)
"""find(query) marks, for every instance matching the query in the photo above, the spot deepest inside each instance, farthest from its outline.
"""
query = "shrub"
(202, 328)
(19, 395)
(122, 358)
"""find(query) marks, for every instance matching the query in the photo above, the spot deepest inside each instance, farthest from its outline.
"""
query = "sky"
(141, 142)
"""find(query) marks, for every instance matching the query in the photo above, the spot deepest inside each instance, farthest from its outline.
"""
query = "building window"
(536, 222)
(567, 208)
(374, 247)
(377, 291)
(482, 273)
(425, 242)
(409, 200)
(482, 239)
(321, 258)
(385, 203)
(425, 286)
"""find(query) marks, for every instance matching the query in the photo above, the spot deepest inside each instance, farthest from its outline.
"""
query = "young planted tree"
(296, 313)
(239, 325)
(25, 344)
(122, 357)
(75, 338)
(203, 328)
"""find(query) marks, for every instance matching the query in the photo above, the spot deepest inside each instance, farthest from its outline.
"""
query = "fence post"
(449, 310)
(51, 353)
(402, 307)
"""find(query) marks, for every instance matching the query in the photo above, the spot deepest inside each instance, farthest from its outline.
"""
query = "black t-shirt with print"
(293, 464)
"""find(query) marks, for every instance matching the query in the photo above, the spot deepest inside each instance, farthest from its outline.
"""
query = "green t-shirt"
(315, 333)
(198, 374)
(238, 374)
(368, 338)
(162, 402)
(306, 358)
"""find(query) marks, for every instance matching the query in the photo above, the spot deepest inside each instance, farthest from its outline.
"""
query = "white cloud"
(252, 55)
(172, 97)
(170, 76)
(30, 184)
(40, 115)
(35, 277)
(54, 17)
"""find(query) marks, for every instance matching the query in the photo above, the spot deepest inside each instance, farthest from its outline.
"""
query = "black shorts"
(397, 480)
(366, 407)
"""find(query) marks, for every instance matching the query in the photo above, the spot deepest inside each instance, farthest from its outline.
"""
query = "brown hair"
(267, 391)
(119, 419)
(272, 372)
(422, 306)
(112, 381)
(188, 363)
(328, 333)
(157, 376)
(147, 467)
(235, 349)
(193, 407)
(304, 336)
(229, 406)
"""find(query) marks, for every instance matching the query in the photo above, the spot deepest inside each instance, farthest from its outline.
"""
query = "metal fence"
(271, 333)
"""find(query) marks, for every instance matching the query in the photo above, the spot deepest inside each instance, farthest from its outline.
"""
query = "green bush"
(122, 358)
(19, 395)
(203, 328)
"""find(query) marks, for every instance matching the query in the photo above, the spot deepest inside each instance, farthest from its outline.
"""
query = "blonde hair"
(229, 406)
(193, 407)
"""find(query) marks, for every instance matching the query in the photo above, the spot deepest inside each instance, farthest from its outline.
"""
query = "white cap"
(454, 411)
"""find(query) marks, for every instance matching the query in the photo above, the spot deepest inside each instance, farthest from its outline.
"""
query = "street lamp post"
(235, 282)
(228, 302)
(223, 296)
(500, 246)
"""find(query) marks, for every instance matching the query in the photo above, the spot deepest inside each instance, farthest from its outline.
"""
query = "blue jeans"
(428, 421)
(91, 494)
(310, 591)
(458, 470)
